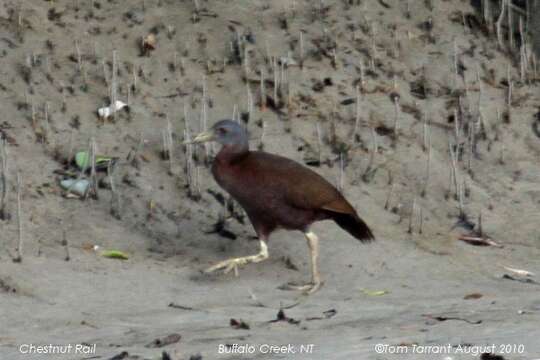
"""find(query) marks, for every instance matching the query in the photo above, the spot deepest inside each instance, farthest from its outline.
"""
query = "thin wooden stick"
(373, 46)
(235, 115)
(369, 169)
(263, 133)
(480, 88)
(387, 202)
(116, 204)
(47, 128)
(509, 94)
(341, 186)
(362, 75)
(357, 115)
(487, 15)
(79, 56)
(453, 163)
(457, 126)
(105, 72)
(276, 78)
(4, 179)
(470, 143)
(65, 245)
(319, 141)
(426, 180)
(456, 66)
(114, 83)
(33, 116)
(135, 79)
(170, 146)
(499, 24)
(460, 201)
(20, 234)
(93, 174)
(426, 133)
(510, 19)
(263, 91)
(411, 217)
(421, 222)
(204, 117)
(249, 101)
(480, 229)
(396, 117)
(301, 51)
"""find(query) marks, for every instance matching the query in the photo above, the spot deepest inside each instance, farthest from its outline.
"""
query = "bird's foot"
(235, 263)
(228, 265)
(307, 289)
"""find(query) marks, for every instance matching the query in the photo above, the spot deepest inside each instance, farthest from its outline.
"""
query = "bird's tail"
(354, 226)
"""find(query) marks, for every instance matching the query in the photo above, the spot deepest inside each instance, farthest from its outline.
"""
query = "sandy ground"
(411, 292)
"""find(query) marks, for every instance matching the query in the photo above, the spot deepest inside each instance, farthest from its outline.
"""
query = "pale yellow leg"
(313, 244)
(234, 263)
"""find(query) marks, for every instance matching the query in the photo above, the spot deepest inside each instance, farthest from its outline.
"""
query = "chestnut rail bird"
(277, 193)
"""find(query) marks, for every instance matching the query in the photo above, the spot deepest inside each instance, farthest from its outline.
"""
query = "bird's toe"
(232, 265)
(216, 267)
(311, 288)
(308, 288)
(227, 266)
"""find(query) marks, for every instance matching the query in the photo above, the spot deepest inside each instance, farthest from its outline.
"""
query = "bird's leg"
(313, 243)
(234, 263)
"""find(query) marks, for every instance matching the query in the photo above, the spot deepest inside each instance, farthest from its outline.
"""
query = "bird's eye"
(222, 131)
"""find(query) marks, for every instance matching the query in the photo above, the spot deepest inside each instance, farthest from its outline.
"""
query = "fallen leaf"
(282, 317)
(523, 280)
(115, 254)
(374, 292)
(519, 271)
(164, 341)
(490, 356)
(442, 318)
(479, 241)
(330, 313)
(82, 159)
(121, 356)
(239, 324)
(182, 307)
(149, 42)
(473, 296)
(87, 246)
(327, 315)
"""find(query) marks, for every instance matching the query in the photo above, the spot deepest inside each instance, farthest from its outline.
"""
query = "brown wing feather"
(303, 187)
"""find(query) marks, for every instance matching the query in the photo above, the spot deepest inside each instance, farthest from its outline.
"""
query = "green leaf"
(82, 159)
(369, 292)
(115, 254)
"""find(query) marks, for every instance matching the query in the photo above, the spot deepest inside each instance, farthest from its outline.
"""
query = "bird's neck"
(232, 153)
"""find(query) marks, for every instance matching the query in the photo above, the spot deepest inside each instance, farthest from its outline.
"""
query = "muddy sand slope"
(416, 112)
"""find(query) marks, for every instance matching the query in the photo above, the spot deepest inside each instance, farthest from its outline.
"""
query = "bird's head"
(225, 132)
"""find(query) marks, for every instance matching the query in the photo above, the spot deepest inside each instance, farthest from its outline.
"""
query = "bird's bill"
(202, 138)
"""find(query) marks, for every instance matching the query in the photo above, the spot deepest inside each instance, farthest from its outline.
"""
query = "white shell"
(105, 112)
(78, 187)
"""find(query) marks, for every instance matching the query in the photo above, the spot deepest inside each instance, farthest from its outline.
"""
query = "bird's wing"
(309, 190)
(301, 187)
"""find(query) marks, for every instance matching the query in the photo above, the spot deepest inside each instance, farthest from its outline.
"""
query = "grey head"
(228, 132)
(225, 132)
